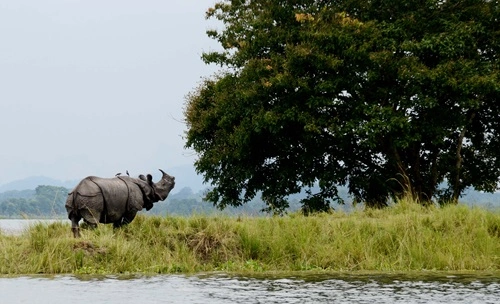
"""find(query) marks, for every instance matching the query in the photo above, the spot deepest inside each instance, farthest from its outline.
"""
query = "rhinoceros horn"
(164, 174)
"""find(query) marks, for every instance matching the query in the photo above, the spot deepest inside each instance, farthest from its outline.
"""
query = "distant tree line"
(44, 201)
(48, 202)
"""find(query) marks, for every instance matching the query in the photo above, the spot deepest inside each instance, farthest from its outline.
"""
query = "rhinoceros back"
(85, 195)
(108, 196)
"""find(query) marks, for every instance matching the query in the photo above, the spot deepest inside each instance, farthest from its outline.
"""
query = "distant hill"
(30, 183)
(16, 194)
(477, 198)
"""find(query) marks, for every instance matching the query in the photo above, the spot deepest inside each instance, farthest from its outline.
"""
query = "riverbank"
(402, 238)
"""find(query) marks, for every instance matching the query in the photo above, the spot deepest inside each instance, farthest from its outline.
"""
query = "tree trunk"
(434, 173)
(459, 161)
(404, 179)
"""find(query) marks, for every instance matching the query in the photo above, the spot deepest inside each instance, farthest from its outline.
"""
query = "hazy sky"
(95, 87)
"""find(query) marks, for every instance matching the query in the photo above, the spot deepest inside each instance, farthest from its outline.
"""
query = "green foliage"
(404, 237)
(384, 97)
(47, 201)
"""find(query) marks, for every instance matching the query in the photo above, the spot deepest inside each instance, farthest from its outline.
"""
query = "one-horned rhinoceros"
(114, 200)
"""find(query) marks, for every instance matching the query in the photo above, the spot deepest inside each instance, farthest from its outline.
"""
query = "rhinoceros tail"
(71, 200)
(70, 203)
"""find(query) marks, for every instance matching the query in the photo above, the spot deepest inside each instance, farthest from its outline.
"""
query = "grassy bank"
(406, 237)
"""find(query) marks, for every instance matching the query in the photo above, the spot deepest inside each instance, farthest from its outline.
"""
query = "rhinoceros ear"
(142, 177)
(150, 179)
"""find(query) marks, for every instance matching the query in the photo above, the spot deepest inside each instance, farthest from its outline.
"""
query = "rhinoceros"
(114, 200)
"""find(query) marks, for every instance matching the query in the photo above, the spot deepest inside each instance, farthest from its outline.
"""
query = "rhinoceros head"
(163, 187)
(160, 190)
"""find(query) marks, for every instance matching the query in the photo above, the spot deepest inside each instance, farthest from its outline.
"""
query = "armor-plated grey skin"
(114, 200)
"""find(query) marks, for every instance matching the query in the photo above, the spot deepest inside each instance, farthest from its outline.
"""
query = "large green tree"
(385, 97)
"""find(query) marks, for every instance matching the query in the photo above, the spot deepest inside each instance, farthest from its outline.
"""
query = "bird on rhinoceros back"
(114, 200)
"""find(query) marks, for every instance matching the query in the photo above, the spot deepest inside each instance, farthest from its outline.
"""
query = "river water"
(16, 226)
(219, 288)
(224, 288)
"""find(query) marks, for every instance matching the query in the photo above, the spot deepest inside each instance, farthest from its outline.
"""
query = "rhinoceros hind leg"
(89, 225)
(125, 220)
(90, 218)
(74, 225)
(76, 232)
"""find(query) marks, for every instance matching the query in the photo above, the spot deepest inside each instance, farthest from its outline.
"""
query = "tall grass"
(404, 237)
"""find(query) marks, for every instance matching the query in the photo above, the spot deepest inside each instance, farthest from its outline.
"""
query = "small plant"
(90, 270)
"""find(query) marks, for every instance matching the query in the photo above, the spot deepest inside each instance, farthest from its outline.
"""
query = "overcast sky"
(95, 87)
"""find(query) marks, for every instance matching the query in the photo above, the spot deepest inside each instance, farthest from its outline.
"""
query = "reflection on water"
(226, 289)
